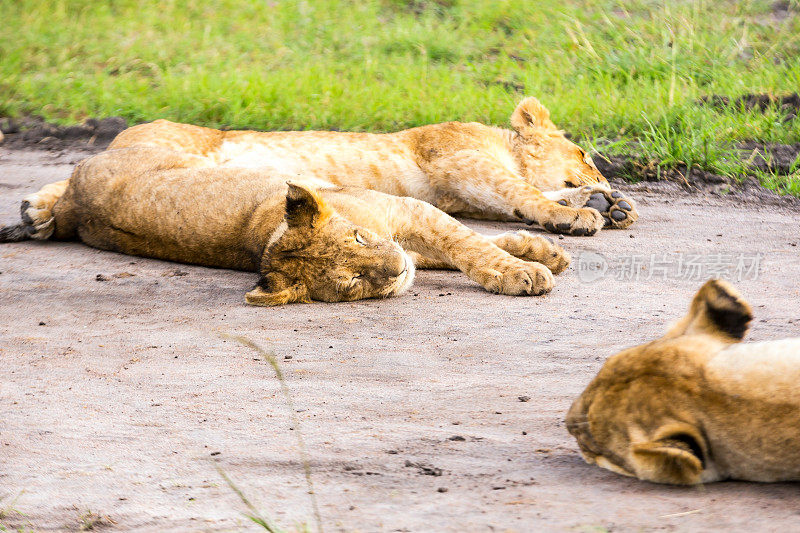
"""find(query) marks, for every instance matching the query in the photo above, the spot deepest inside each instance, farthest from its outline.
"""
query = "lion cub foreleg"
(521, 244)
(530, 247)
(487, 185)
(438, 237)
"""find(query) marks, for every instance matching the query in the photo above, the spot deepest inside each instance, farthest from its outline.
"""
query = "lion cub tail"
(15, 233)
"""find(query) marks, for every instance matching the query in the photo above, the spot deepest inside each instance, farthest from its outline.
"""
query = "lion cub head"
(650, 410)
(547, 159)
(317, 254)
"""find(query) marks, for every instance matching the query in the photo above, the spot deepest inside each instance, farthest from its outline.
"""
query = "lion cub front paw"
(578, 222)
(618, 210)
(518, 279)
(536, 248)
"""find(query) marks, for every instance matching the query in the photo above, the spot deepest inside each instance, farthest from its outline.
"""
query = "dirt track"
(118, 396)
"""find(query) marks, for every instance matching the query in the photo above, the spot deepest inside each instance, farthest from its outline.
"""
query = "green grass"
(8, 511)
(610, 71)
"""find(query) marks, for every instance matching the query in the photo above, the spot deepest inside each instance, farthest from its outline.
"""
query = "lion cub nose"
(395, 266)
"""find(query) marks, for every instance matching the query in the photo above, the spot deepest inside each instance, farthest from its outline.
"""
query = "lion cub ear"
(676, 458)
(530, 114)
(304, 206)
(272, 290)
(717, 309)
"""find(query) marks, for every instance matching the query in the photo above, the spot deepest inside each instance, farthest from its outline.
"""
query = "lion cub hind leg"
(618, 210)
(36, 210)
(536, 248)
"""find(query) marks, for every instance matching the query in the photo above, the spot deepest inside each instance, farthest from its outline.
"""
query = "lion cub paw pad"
(617, 210)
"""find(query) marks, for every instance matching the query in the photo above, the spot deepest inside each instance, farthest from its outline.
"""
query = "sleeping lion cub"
(463, 169)
(328, 243)
(696, 405)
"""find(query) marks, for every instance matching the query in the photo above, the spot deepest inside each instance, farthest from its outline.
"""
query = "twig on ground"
(273, 361)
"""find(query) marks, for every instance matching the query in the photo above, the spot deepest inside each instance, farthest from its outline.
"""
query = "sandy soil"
(118, 395)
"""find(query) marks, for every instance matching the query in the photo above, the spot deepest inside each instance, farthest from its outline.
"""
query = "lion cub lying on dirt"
(532, 173)
(696, 405)
(329, 244)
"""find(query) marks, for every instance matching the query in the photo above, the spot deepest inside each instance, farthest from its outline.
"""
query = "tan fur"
(696, 405)
(328, 244)
(463, 168)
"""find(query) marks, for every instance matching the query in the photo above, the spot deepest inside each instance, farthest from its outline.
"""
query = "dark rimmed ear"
(304, 206)
(677, 458)
(529, 115)
(273, 289)
(717, 309)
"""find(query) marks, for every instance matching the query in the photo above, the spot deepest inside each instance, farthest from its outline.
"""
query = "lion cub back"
(768, 371)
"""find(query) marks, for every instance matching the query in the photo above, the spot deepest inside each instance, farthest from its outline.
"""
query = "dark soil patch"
(788, 104)
(33, 132)
(781, 159)
(510, 86)
(778, 158)
(783, 9)
(770, 157)
(639, 169)
(420, 7)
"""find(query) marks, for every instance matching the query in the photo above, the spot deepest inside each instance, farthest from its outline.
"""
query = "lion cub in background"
(696, 405)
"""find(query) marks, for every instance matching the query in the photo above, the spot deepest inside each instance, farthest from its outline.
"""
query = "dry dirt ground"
(119, 396)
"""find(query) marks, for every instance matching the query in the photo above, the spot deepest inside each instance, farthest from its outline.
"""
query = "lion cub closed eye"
(696, 405)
